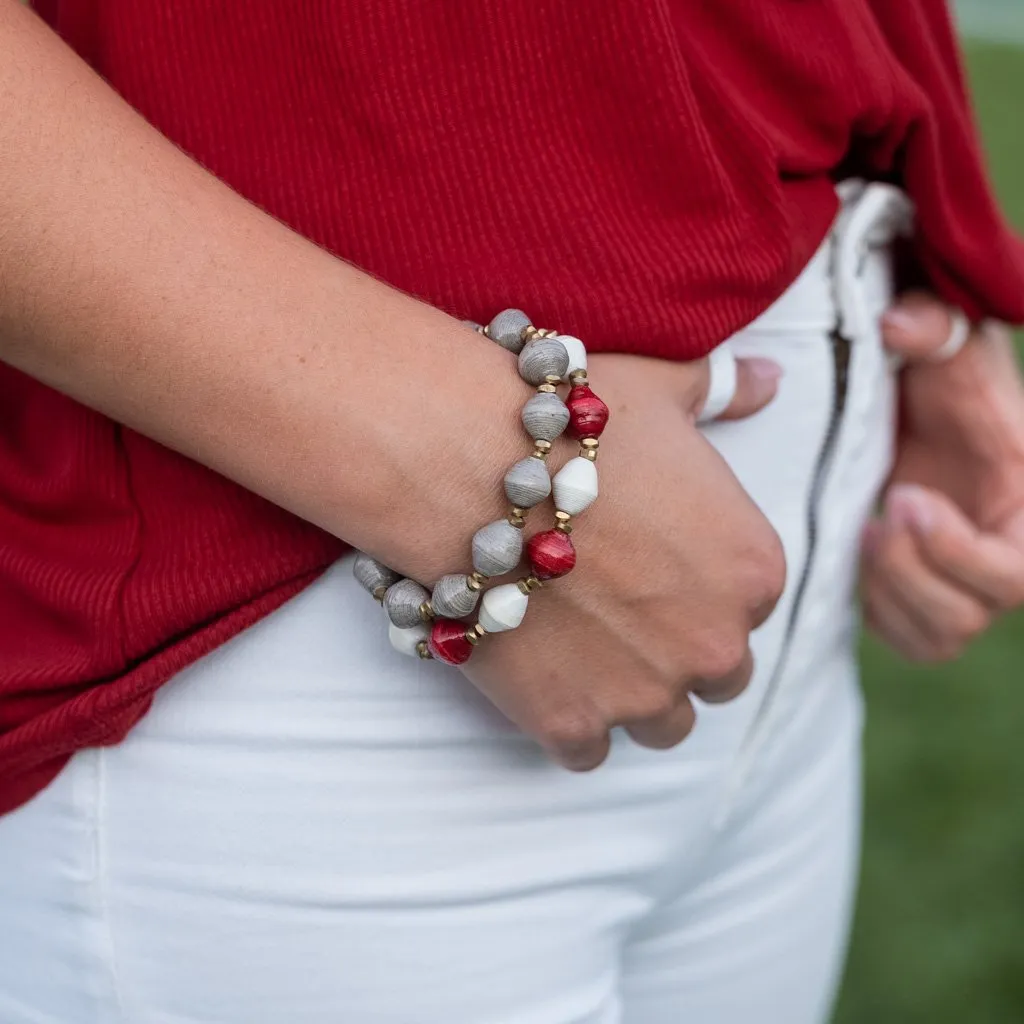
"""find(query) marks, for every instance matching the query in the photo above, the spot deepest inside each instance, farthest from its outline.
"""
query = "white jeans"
(308, 828)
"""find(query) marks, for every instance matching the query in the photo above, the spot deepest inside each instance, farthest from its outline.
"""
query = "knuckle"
(572, 732)
(765, 576)
(720, 655)
(948, 650)
(721, 692)
(586, 760)
(973, 623)
(930, 654)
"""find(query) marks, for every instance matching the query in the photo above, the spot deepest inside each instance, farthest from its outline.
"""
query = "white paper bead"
(577, 354)
(575, 486)
(405, 641)
(503, 608)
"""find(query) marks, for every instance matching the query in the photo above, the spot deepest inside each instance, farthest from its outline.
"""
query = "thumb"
(757, 383)
(917, 326)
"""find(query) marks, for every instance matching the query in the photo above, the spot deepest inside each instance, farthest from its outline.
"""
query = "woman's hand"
(677, 566)
(191, 316)
(947, 554)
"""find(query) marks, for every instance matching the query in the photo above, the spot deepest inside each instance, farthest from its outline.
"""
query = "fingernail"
(909, 506)
(902, 320)
(764, 370)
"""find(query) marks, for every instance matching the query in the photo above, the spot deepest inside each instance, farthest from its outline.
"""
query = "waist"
(253, 556)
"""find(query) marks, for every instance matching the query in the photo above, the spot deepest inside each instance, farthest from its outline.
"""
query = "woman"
(302, 825)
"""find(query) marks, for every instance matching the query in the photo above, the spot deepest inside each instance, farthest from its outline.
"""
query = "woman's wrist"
(428, 622)
(137, 283)
(452, 432)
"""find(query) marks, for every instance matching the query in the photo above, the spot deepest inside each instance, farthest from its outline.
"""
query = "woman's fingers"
(727, 688)
(664, 731)
(916, 564)
(889, 621)
(734, 389)
(757, 383)
(920, 326)
(946, 615)
(986, 565)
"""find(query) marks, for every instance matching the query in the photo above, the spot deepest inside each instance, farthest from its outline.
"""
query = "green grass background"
(939, 934)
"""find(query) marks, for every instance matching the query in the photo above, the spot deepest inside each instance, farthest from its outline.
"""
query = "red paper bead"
(448, 642)
(551, 554)
(587, 413)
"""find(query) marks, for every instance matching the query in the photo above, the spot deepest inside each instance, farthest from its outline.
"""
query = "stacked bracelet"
(426, 624)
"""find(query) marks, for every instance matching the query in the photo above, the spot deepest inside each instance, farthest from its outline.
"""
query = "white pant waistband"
(836, 290)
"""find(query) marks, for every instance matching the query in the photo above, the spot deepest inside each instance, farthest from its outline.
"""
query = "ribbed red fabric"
(650, 174)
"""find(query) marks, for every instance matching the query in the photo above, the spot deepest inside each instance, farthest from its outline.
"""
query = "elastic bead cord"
(426, 624)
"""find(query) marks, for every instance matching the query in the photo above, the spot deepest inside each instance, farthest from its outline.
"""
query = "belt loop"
(872, 217)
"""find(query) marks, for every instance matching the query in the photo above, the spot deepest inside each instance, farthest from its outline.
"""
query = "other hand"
(946, 556)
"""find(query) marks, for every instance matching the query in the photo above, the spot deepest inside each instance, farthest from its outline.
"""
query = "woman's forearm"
(139, 284)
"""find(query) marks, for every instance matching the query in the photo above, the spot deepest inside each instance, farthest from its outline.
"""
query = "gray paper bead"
(372, 574)
(452, 598)
(497, 548)
(507, 329)
(527, 483)
(545, 357)
(402, 603)
(545, 417)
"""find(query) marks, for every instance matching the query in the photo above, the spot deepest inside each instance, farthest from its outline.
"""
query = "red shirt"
(650, 174)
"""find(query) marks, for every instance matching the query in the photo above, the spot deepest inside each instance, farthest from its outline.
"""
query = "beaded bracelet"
(546, 359)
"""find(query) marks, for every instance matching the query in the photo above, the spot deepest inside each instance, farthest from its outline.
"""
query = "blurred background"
(939, 934)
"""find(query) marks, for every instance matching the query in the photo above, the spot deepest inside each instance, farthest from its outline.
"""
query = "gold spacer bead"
(553, 379)
(485, 330)
(473, 583)
(529, 333)
(480, 578)
(475, 634)
(590, 442)
(547, 333)
(562, 517)
(517, 521)
(528, 584)
(546, 389)
(562, 523)
(426, 611)
(423, 650)
(564, 528)
(578, 377)
(542, 446)
(378, 594)
(589, 453)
